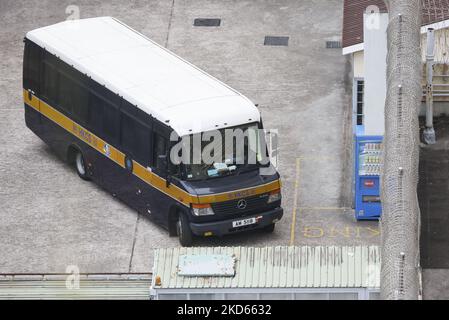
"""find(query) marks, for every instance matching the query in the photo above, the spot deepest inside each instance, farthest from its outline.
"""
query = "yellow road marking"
(295, 202)
(297, 210)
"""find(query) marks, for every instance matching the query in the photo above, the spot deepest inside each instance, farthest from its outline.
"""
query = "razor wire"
(401, 215)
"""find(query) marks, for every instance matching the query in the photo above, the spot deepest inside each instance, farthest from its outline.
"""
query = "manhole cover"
(275, 41)
(205, 22)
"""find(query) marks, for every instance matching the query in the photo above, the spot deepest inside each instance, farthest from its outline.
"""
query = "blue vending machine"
(367, 177)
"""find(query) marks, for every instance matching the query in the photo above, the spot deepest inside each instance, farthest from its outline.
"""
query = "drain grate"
(205, 22)
(276, 41)
(333, 45)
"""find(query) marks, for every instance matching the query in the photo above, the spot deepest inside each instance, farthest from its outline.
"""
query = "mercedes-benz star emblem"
(241, 204)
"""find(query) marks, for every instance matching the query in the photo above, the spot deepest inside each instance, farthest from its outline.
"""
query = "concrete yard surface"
(433, 194)
(435, 284)
(51, 219)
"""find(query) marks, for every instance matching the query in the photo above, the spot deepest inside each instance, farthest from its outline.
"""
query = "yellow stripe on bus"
(238, 194)
(81, 133)
(161, 184)
(33, 102)
(140, 171)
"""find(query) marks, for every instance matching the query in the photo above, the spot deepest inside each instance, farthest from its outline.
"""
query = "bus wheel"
(80, 166)
(185, 235)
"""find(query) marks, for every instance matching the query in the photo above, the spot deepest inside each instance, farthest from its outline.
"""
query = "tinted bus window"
(50, 83)
(135, 138)
(64, 95)
(80, 100)
(95, 114)
(103, 118)
(160, 148)
(32, 60)
(111, 123)
(73, 98)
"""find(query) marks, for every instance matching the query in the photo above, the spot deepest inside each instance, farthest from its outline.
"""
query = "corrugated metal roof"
(92, 286)
(276, 267)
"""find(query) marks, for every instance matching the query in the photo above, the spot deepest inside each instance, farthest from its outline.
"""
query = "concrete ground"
(433, 191)
(51, 219)
(435, 284)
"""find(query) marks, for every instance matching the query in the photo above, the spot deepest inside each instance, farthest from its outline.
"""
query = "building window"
(360, 87)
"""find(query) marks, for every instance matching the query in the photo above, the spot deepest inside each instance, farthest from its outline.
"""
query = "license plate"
(244, 222)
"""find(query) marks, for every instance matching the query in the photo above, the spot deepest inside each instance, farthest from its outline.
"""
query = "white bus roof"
(146, 74)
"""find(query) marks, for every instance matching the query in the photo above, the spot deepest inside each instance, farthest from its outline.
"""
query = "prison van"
(109, 100)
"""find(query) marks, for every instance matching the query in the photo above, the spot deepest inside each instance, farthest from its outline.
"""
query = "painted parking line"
(295, 202)
(342, 232)
(296, 211)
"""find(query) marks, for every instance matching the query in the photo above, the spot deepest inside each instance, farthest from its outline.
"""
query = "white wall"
(359, 64)
(375, 68)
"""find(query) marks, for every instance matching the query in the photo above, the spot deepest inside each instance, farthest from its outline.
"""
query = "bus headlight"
(202, 210)
(274, 196)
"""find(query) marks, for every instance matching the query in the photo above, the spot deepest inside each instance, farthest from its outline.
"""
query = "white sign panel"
(206, 265)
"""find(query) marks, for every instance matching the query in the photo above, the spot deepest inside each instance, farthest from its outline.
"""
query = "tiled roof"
(433, 11)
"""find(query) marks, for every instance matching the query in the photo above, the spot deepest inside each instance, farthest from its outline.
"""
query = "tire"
(185, 235)
(80, 166)
(269, 229)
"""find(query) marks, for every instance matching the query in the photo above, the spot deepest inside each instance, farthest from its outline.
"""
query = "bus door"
(135, 142)
(160, 199)
(104, 119)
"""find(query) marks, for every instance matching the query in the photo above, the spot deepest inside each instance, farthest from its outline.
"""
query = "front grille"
(254, 204)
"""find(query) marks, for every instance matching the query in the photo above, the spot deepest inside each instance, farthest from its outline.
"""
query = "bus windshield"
(226, 152)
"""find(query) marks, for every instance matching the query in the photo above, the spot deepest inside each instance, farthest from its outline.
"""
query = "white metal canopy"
(146, 74)
(273, 267)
